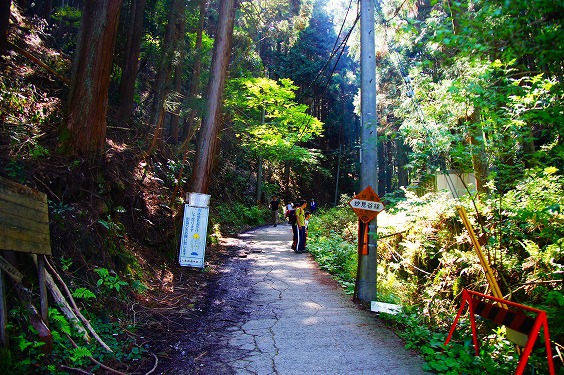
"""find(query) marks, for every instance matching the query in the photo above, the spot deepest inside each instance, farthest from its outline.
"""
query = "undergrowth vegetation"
(237, 217)
(71, 346)
(426, 259)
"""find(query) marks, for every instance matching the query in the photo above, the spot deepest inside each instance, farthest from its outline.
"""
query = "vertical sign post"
(366, 205)
(194, 231)
(367, 263)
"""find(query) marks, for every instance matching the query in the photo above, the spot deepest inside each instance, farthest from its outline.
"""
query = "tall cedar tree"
(92, 64)
(131, 63)
(207, 140)
(189, 128)
(173, 44)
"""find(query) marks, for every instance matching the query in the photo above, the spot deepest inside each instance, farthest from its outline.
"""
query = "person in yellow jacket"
(300, 221)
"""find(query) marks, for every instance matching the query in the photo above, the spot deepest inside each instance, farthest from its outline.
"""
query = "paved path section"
(299, 321)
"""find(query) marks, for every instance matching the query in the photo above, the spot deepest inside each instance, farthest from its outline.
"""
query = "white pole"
(368, 152)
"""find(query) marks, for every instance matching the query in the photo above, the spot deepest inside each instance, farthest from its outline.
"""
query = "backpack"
(292, 217)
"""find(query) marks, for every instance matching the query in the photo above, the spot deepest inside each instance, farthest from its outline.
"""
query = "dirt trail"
(275, 312)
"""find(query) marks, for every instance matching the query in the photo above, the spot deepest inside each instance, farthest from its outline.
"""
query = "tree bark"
(92, 64)
(47, 9)
(173, 35)
(207, 140)
(479, 158)
(189, 128)
(286, 179)
(131, 62)
(4, 24)
(259, 180)
(402, 160)
(175, 117)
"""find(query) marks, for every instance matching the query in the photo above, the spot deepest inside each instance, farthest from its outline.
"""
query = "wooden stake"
(3, 312)
(42, 289)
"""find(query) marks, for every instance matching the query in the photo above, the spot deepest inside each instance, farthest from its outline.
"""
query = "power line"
(342, 50)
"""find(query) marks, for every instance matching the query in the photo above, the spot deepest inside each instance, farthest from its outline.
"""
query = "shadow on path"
(279, 314)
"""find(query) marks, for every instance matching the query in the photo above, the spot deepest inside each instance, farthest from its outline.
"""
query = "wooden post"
(42, 288)
(512, 335)
(3, 312)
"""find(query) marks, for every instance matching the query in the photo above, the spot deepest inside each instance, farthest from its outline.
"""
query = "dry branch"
(75, 308)
(29, 56)
(80, 371)
(155, 365)
(62, 302)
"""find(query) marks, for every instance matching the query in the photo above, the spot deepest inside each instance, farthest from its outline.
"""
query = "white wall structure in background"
(454, 183)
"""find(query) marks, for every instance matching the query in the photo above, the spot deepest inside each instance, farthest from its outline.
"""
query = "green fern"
(79, 353)
(59, 320)
(83, 293)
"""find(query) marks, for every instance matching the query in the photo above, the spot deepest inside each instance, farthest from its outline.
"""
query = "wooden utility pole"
(366, 278)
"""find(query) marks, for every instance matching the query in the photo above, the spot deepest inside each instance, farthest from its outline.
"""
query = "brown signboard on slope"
(24, 219)
(366, 204)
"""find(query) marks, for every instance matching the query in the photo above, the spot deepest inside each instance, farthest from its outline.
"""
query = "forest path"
(294, 319)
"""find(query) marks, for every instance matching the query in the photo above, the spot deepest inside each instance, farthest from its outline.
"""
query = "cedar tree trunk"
(207, 140)
(189, 128)
(131, 63)
(47, 9)
(92, 64)
(174, 34)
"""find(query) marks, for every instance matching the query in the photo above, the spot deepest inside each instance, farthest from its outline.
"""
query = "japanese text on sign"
(367, 205)
(193, 240)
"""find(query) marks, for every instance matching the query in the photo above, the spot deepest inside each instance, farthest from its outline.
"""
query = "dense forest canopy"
(113, 108)
(471, 87)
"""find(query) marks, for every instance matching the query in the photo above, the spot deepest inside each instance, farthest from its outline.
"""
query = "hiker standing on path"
(300, 221)
(274, 207)
(307, 216)
(289, 210)
(291, 215)
(313, 205)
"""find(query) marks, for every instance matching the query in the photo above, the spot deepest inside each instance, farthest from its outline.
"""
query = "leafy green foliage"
(480, 95)
(109, 281)
(327, 242)
(25, 354)
(285, 124)
(496, 355)
(69, 15)
(233, 218)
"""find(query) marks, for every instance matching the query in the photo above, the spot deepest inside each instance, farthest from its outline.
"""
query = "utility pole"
(366, 286)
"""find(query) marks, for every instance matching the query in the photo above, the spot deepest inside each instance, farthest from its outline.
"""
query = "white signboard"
(193, 241)
(367, 205)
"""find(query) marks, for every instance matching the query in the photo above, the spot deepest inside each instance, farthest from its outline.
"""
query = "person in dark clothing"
(313, 205)
(289, 211)
(307, 217)
(274, 207)
(300, 221)
(291, 216)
